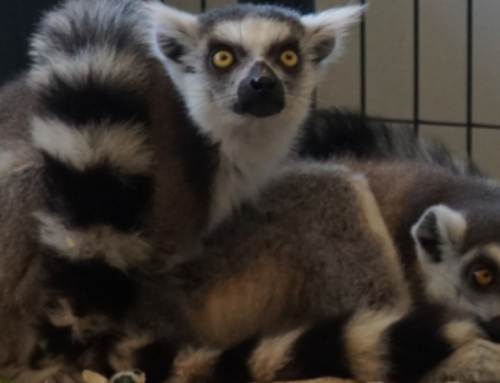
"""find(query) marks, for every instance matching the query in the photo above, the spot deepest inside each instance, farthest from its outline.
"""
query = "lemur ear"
(175, 32)
(326, 29)
(439, 230)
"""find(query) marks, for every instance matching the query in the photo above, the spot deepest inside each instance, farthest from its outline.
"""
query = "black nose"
(261, 94)
(263, 84)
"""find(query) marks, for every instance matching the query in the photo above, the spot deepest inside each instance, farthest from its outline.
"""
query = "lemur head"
(247, 65)
(459, 254)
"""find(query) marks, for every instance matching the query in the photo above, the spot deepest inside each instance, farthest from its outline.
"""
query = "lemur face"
(242, 64)
(460, 261)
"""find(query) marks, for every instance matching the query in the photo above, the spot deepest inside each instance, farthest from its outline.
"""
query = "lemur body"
(441, 214)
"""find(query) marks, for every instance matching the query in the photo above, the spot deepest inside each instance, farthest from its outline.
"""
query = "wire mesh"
(417, 121)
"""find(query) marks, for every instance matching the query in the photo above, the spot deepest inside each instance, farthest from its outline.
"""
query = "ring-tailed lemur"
(247, 75)
(133, 167)
(53, 349)
(102, 137)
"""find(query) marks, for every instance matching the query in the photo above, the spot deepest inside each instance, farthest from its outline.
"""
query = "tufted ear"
(439, 229)
(175, 32)
(326, 29)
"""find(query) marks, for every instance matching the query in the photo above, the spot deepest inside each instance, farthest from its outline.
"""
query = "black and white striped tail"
(333, 133)
(371, 346)
(92, 128)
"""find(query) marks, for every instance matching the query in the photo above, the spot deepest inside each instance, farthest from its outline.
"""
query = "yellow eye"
(289, 58)
(223, 59)
(483, 277)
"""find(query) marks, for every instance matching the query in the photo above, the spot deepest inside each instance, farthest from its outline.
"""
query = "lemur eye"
(223, 59)
(289, 58)
(482, 276)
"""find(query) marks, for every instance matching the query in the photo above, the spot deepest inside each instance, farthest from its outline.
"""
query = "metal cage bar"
(416, 66)
(304, 6)
(470, 52)
(362, 61)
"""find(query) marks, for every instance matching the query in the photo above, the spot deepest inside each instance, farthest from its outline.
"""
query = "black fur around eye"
(287, 55)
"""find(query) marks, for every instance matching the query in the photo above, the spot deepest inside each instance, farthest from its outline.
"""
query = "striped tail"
(90, 74)
(366, 347)
(333, 133)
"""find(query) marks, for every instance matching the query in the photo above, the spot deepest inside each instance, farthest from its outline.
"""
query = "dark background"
(17, 22)
(18, 19)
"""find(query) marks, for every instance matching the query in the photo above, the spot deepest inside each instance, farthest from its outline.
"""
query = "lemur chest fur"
(248, 156)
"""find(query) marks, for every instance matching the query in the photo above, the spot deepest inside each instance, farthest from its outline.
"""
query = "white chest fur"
(249, 155)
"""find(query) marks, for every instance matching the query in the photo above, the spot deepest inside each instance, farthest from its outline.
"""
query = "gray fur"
(79, 25)
(238, 12)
